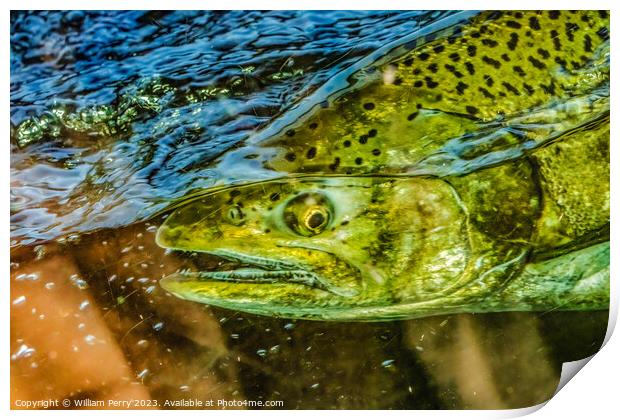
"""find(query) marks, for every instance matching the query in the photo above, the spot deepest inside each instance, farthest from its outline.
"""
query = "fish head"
(322, 248)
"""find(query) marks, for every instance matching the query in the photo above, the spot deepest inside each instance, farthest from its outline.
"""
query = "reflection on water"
(227, 86)
(108, 146)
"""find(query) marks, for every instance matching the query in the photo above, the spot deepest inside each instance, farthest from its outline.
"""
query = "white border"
(593, 394)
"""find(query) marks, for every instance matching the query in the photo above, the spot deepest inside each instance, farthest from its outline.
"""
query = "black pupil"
(316, 220)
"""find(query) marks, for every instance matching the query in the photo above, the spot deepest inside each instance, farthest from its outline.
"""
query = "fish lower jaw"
(258, 270)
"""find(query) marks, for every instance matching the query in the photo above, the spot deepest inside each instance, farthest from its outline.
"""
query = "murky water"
(154, 99)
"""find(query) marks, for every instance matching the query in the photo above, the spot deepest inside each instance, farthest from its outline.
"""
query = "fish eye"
(308, 214)
(234, 215)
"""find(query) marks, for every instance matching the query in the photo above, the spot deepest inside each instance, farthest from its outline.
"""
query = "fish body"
(500, 83)
(401, 201)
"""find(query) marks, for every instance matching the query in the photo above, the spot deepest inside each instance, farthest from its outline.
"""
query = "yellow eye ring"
(308, 214)
(315, 219)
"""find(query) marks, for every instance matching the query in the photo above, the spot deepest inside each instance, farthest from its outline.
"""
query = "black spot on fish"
(486, 93)
(470, 68)
(476, 35)
(549, 89)
(408, 62)
(358, 161)
(313, 126)
(234, 193)
(363, 139)
(347, 143)
(513, 24)
(514, 39)
(455, 57)
(536, 63)
(534, 23)
(369, 106)
(472, 110)
(603, 14)
(415, 72)
(267, 230)
(251, 156)
(510, 88)
(491, 61)
(528, 88)
(457, 31)
(290, 133)
(376, 152)
(518, 15)
(554, 14)
(489, 42)
(460, 87)
(587, 43)
(335, 165)
(438, 48)
(570, 30)
(430, 83)
(311, 153)
(603, 33)
(372, 133)
(519, 70)
(561, 61)
(433, 67)
(398, 81)
(344, 223)
(453, 70)
(410, 117)
(424, 56)
(418, 84)
(543, 53)
(488, 80)
(471, 50)
(505, 57)
(290, 156)
(274, 196)
(555, 37)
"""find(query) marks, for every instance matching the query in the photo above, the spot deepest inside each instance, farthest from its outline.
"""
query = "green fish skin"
(516, 79)
(531, 234)
(403, 199)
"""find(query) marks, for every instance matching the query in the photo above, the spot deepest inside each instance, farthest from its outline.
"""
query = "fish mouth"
(255, 270)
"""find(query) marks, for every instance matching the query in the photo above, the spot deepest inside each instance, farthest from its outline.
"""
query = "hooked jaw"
(253, 284)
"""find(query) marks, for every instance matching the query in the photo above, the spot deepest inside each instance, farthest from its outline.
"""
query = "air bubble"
(20, 300)
(78, 282)
(387, 363)
(23, 352)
